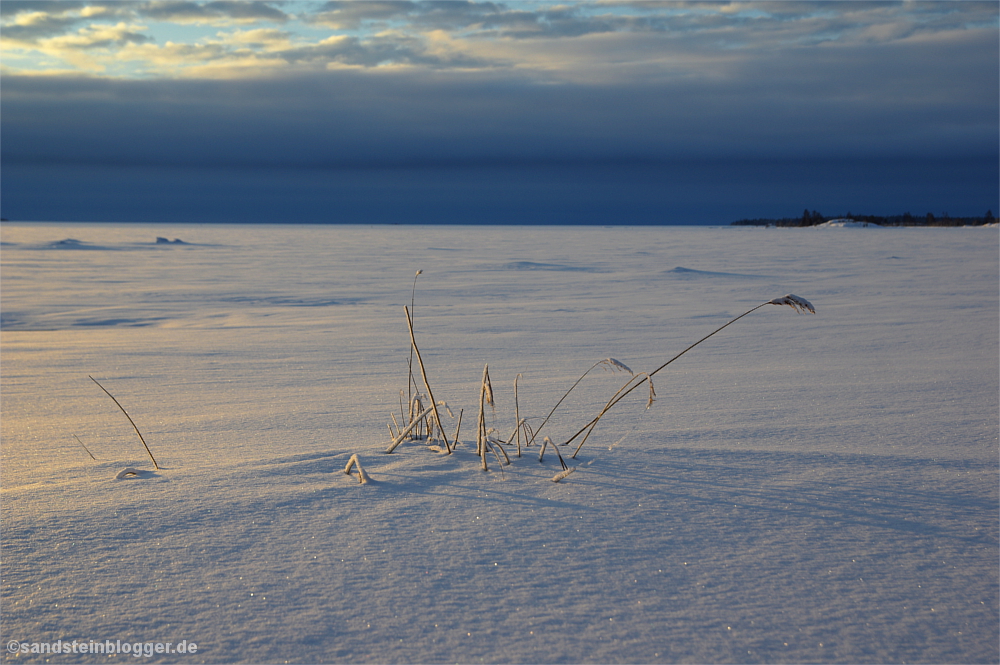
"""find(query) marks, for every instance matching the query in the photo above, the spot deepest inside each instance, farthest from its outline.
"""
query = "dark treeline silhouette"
(814, 218)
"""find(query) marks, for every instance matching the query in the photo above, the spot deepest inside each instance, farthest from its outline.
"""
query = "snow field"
(805, 488)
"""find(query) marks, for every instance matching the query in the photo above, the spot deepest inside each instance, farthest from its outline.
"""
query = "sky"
(496, 112)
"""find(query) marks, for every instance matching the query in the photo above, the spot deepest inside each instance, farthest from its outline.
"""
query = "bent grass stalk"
(355, 461)
(155, 465)
(423, 373)
(410, 381)
(800, 305)
(607, 362)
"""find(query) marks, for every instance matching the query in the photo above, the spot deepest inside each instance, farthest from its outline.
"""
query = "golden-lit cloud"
(570, 41)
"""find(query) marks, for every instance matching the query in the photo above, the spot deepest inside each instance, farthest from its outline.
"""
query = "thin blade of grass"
(85, 447)
(155, 465)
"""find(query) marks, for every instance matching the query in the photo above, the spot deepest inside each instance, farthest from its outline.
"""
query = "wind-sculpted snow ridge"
(73, 243)
(558, 267)
(691, 273)
(77, 244)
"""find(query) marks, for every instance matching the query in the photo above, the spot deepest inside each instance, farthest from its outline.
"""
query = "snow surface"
(806, 488)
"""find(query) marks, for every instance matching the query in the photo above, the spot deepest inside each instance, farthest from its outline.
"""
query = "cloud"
(686, 81)
(648, 89)
(264, 38)
(351, 15)
(922, 98)
(581, 42)
(30, 27)
(97, 36)
(221, 12)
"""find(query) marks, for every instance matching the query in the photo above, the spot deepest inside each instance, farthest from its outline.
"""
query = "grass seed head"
(800, 305)
(616, 364)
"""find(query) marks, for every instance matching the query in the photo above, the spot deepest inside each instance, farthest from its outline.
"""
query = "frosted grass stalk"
(423, 373)
(799, 304)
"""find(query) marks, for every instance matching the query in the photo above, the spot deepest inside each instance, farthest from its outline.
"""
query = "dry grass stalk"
(416, 406)
(413, 423)
(547, 443)
(155, 465)
(485, 396)
(410, 381)
(517, 417)
(492, 447)
(800, 305)
(423, 373)
(458, 426)
(497, 443)
(529, 433)
(355, 461)
(562, 474)
(85, 447)
(627, 388)
(607, 363)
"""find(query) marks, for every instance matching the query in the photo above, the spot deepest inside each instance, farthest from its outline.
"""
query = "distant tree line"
(815, 218)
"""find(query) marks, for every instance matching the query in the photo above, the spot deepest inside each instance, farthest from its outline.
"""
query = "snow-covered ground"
(806, 488)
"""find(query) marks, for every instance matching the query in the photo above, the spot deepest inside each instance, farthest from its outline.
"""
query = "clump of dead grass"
(421, 426)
